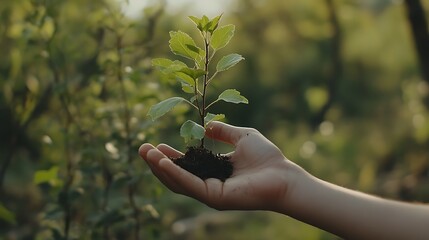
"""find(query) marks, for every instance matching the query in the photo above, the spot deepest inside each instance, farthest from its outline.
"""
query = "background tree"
(419, 28)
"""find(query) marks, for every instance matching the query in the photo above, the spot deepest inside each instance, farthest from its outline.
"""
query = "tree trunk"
(419, 28)
(336, 63)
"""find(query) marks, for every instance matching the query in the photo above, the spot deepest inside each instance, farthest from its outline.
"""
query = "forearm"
(354, 215)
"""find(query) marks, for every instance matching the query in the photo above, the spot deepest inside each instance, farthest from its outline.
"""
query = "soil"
(205, 164)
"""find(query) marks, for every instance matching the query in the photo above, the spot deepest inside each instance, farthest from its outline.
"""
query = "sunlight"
(207, 7)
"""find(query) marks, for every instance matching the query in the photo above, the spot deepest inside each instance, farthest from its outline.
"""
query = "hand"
(262, 179)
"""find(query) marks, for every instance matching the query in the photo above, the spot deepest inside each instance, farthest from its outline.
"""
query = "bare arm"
(264, 179)
(355, 215)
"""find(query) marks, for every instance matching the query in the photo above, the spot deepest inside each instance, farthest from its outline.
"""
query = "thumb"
(224, 132)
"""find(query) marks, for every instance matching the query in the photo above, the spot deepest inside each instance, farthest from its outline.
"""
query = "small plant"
(195, 80)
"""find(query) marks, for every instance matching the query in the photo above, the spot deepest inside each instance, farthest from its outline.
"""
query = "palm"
(259, 171)
(256, 171)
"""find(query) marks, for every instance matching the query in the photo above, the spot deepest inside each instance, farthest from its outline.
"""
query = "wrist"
(296, 182)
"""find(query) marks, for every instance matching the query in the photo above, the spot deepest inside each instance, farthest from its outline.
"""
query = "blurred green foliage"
(335, 84)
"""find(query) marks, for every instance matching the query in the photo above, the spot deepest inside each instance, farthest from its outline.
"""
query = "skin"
(264, 179)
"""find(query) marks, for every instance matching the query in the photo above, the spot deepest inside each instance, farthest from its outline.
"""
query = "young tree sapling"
(195, 80)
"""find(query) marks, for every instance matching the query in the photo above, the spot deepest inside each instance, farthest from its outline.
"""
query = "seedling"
(196, 78)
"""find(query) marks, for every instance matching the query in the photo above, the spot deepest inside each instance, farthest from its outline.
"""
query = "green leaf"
(213, 117)
(221, 36)
(185, 78)
(167, 66)
(232, 96)
(188, 84)
(183, 45)
(193, 73)
(214, 23)
(228, 61)
(163, 107)
(161, 62)
(197, 22)
(205, 23)
(193, 99)
(6, 215)
(191, 130)
(187, 88)
(47, 176)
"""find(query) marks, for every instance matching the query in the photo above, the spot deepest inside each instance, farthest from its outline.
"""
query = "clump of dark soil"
(205, 164)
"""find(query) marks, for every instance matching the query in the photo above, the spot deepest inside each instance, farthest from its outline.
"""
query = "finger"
(165, 179)
(225, 132)
(154, 156)
(144, 149)
(169, 151)
(190, 184)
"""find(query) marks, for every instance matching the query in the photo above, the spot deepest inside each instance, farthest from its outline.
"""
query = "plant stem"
(69, 180)
(211, 78)
(128, 141)
(136, 211)
(208, 106)
(104, 206)
(123, 97)
(206, 69)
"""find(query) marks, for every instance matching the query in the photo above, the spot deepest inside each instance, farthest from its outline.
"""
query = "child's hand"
(262, 177)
